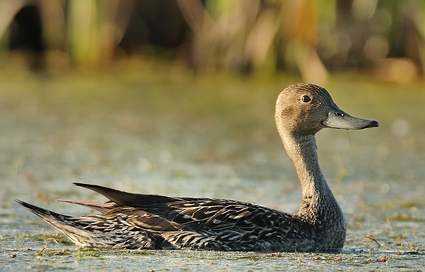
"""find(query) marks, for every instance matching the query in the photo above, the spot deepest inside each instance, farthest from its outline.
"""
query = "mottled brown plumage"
(137, 221)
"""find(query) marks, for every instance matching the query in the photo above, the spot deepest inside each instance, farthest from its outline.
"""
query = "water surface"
(214, 136)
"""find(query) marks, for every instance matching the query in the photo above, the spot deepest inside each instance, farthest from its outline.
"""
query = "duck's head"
(304, 109)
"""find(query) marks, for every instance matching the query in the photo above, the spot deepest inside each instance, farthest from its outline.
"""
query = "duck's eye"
(305, 98)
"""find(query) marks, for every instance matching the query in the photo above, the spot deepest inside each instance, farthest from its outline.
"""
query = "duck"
(144, 221)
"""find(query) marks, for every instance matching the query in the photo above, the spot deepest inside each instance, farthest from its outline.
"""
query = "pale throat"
(301, 149)
(317, 198)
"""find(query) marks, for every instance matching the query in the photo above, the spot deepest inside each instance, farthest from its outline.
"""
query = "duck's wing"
(194, 213)
(212, 224)
(217, 214)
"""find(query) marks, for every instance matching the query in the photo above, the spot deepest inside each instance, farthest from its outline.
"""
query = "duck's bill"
(342, 120)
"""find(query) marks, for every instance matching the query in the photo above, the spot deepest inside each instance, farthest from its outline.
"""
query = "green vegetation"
(311, 38)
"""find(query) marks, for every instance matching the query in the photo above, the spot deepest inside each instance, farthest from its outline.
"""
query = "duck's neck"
(318, 204)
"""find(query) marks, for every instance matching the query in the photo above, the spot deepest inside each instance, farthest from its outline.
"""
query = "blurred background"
(176, 97)
(386, 39)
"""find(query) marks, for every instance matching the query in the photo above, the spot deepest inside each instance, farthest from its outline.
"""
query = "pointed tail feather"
(64, 223)
(96, 206)
(43, 213)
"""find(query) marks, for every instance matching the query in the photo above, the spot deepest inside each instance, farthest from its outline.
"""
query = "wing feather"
(128, 199)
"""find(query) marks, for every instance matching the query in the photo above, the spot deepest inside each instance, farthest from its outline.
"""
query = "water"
(170, 133)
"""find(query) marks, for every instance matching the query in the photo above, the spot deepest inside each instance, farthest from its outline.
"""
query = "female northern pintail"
(139, 221)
